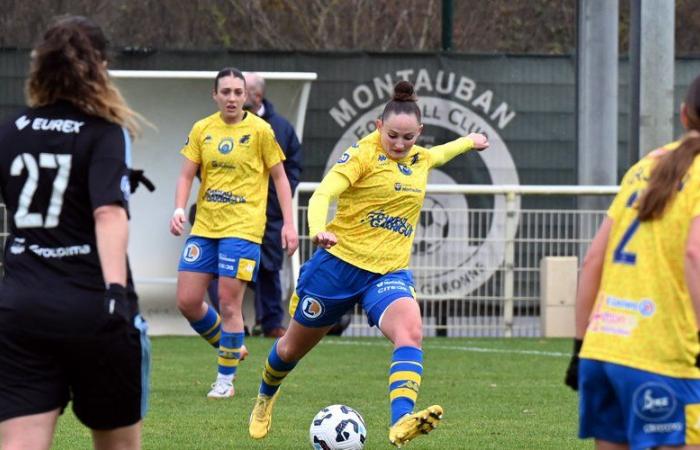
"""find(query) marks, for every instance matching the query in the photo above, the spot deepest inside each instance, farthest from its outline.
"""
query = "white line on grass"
(454, 347)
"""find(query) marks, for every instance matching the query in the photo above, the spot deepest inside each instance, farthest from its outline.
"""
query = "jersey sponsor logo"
(345, 157)
(379, 219)
(404, 169)
(311, 308)
(398, 187)
(451, 104)
(60, 252)
(42, 124)
(382, 158)
(225, 146)
(22, 122)
(245, 139)
(222, 165)
(17, 246)
(654, 401)
(192, 252)
(207, 138)
(670, 427)
(414, 159)
(218, 196)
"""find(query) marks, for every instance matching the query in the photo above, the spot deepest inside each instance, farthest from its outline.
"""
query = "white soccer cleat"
(221, 389)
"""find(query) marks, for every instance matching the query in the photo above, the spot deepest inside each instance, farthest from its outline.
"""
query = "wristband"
(179, 212)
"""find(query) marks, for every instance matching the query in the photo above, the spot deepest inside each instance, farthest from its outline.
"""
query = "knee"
(410, 335)
(286, 351)
(190, 307)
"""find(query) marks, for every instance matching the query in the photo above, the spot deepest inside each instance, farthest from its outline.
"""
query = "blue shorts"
(228, 257)
(625, 405)
(328, 287)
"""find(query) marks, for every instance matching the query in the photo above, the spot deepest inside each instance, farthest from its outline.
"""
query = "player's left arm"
(441, 154)
(290, 239)
(692, 266)
(591, 273)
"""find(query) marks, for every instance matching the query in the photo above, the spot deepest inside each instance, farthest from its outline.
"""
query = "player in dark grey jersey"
(69, 322)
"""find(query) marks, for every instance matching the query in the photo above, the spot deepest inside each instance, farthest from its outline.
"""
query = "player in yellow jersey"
(380, 185)
(638, 304)
(236, 153)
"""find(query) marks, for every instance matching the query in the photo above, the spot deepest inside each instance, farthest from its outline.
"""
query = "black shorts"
(105, 373)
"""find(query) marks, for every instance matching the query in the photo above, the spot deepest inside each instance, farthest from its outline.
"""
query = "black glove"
(571, 378)
(137, 177)
(115, 302)
(697, 358)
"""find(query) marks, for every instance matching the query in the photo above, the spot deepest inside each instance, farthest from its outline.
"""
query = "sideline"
(451, 347)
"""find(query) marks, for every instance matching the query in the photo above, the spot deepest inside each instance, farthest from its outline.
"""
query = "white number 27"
(25, 161)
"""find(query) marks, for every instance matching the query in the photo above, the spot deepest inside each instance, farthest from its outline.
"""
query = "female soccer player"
(638, 304)
(236, 153)
(380, 184)
(69, 323)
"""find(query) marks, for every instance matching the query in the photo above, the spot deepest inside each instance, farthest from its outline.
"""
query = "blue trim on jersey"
(127, 147)
(141, 324)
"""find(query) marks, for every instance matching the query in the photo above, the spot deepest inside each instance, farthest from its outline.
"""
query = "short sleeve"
(272, 153)
(192, 149)
(350, 164)
(108, 173)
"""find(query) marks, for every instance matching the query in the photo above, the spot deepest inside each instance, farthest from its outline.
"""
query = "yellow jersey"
(377, 214)
(643, 316)
(235, 162)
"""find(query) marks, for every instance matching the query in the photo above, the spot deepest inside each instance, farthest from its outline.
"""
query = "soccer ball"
(338, 427)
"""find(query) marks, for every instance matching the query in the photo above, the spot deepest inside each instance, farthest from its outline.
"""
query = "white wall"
(173, 101)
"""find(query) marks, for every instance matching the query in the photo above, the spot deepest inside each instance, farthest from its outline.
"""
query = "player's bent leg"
(33, 432)
(123, 438)
(283, 357)
(191, 287)
(413, 425)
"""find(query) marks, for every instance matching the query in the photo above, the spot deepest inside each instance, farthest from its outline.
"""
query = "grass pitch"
(497, 394)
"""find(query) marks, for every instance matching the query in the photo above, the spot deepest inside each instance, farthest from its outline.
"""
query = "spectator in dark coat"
(269, 312)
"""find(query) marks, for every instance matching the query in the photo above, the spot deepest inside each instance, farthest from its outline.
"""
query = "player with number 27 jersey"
(643, 304)
(57, 166)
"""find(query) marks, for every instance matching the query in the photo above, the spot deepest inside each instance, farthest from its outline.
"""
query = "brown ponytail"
(667, 175)
(70, 64)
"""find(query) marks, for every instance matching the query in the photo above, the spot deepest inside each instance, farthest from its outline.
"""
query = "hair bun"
(404, 92)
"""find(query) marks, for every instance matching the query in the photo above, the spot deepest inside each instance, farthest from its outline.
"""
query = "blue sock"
(274, 372)
(229, 352)
(404, 380)
(209, 326)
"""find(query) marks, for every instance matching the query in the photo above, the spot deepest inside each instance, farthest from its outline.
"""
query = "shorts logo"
(654, 401)
(311, 308)
(192, 252)
(345, 157)
(225, 146)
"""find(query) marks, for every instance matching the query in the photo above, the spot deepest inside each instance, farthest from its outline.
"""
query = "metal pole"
(447, 16)
(635, 38)
(509, 265)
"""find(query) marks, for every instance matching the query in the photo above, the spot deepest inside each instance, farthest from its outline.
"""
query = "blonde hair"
(70, 64)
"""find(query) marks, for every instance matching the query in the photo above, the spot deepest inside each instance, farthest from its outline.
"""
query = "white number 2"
(25, 161)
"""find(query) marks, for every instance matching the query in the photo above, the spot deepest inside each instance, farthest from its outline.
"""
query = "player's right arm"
(331, 187)
(193, 160)
(182, 193)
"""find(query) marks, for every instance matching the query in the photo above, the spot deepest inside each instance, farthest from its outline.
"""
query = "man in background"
(269, 312)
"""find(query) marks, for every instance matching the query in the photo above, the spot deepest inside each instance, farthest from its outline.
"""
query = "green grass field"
(497, 394)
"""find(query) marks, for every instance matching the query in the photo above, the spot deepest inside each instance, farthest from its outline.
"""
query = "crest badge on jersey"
(311, 308)
(404, 169)
(192, 252)
(225, 146)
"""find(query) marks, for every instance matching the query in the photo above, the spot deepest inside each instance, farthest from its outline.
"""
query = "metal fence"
(477, 269)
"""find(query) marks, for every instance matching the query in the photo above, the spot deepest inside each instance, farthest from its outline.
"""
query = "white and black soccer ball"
(338, 427)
